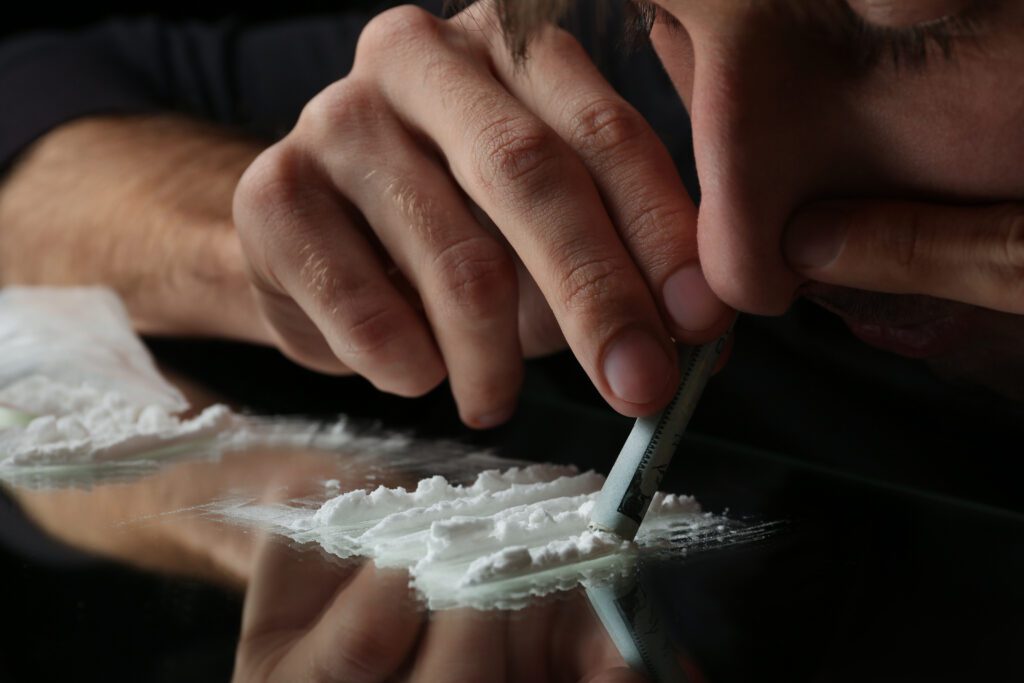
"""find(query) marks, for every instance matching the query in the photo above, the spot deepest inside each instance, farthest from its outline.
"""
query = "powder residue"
(522, 530)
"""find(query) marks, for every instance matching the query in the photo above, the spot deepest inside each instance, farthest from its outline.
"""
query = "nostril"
(739, 239)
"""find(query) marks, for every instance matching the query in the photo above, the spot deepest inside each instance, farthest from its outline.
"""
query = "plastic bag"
(75, 336)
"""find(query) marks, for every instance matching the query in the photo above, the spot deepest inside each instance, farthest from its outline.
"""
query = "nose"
(754, 148)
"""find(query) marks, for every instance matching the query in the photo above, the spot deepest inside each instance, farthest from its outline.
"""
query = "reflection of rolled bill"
(645, 456)
(633, 622)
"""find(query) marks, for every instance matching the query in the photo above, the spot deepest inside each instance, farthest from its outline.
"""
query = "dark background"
(78, 14)
(907, 542)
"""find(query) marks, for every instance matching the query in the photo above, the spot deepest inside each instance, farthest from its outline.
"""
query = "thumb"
(972, 254)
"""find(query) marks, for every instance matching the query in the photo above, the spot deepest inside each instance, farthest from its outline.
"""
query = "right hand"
(307, 618)
(361, 232)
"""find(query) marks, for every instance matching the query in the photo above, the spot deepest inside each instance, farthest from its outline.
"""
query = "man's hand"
(309, 619)
(971, 254)
(363, 242)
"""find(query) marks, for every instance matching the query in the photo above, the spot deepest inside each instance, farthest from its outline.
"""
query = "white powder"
(509, 534)
(76, 336)
(80, 424)
(77, 386)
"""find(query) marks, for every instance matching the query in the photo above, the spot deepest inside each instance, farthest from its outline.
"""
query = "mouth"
(906, 324)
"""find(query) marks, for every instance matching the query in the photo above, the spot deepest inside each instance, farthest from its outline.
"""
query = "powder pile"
(82, 424)
(77, 386)
(512, 533)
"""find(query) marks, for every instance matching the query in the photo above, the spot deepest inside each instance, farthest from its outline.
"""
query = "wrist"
(204, 291)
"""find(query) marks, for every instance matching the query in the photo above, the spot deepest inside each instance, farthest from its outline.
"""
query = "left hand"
(970, 254)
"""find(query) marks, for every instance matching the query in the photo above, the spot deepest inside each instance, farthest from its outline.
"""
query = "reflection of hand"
(133, 521)
(306, 619)
(970, 254)
(374, 190)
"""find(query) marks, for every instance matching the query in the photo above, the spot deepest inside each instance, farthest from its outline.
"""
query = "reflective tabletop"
(173, 568)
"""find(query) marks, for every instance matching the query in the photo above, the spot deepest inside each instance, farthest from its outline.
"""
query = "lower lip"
(925, 340)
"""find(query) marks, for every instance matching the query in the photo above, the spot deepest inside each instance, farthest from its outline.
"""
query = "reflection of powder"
(461, 542)
(83, 424)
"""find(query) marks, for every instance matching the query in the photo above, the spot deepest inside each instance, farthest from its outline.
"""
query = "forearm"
(140, 204)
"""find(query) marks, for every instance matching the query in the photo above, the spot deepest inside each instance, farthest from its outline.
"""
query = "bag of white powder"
(77, 384)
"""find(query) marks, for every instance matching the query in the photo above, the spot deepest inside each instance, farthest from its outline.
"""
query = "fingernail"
(689, 299)
(813, 244)
(637, 367)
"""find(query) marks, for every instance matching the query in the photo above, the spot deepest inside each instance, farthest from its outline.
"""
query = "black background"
(883, 553)
(78, 14)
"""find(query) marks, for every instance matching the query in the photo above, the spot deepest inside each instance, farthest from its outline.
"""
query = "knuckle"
(345, 105)
(602, 127)
(589, 281)
(515, 151)
(364, 323)
(647, 228)
(452, 76)
(271, 202)
(358, 657)
(273, 180)
(317, 275)
(422, 212)
(394, 31)
(476, 273)
(368, 330)
(295, 335)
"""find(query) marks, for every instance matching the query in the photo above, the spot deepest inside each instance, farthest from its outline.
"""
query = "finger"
(364, 635)
(296, 335)
(465, 277)
(301, 242)
(586, 643)
(539, 334)
(972, 254)
(462, 645)
(530, 651)
(632, 169)
(270, 624)
(540, 195)
(278, 565)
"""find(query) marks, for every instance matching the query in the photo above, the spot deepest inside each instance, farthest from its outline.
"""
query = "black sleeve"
(254, 77)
